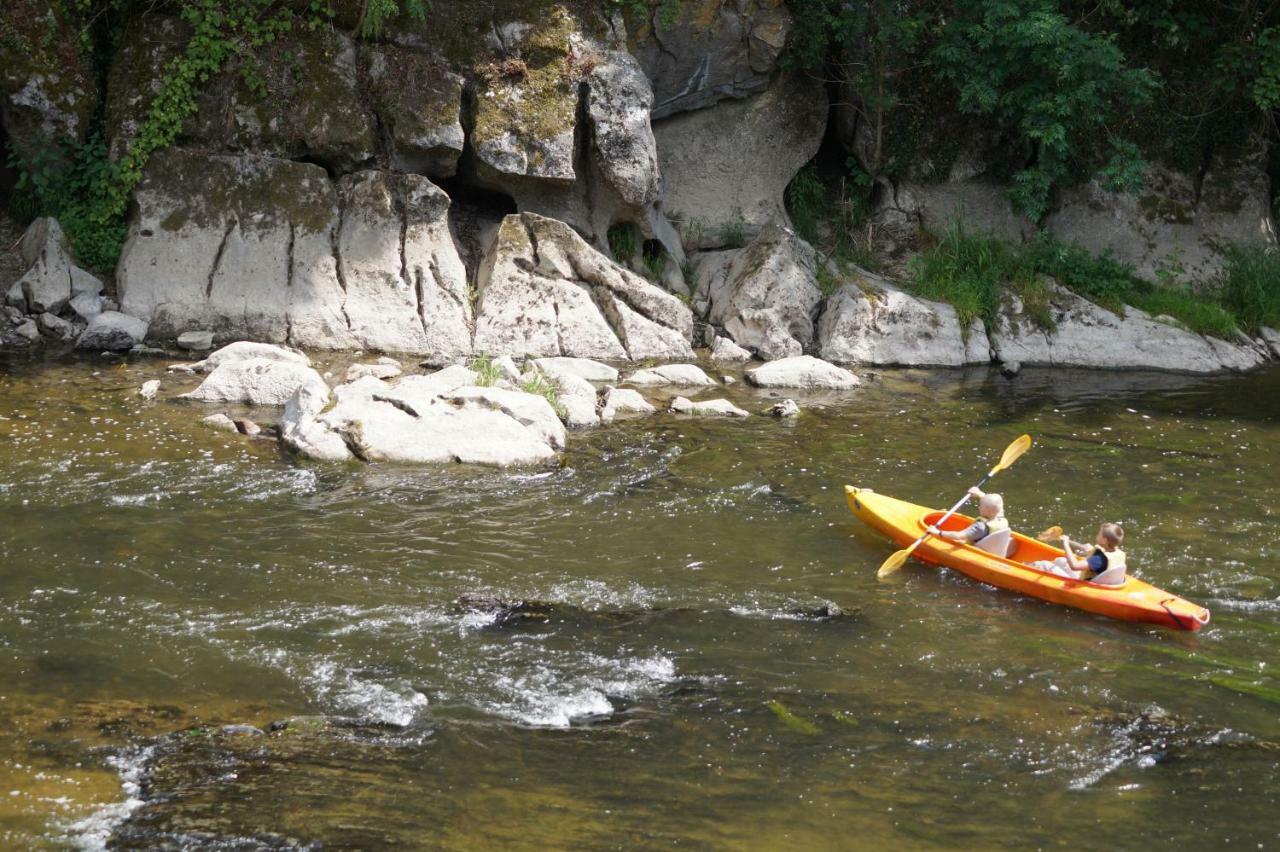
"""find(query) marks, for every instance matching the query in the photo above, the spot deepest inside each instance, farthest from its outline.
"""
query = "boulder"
(417, 99)
(670, 374)
(767, 297)
(1178, 223)
(256, 381)
(531, 410)
(219, 422)
(149, 389)
(592, 371)
(577, 396)
(804, 372)
(56, 327)
(303, 433)
(623, 401)
(1087, 335)
(52, 278)
(28, 330)
(725, 350)
(869, 321)
(619, 103)
(707, 408)
(244, 350)
(112, 331)
(727, 167)
(1271, 339)
(507, 369)
(375, 421)
(709, 51)
(544, 292)
(86, 306)
(196, 341)
(785, 408)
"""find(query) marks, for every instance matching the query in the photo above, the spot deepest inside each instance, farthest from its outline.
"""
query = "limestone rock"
(725, 349)
(592, 371)
(869, 321)
(577, 395)
(196, 341)
(149, 389)
(804, 372)
(670, 374)
(1178, 222)
(52, 278)
(303, 433)
(529, 409)
(378, 371)
(56, 327)
(86, 306)
(244, 350)
(256, 381)
(112, 331)
(623, 401)
(726, 167)
(28, 330)
(372, 422)
(545, 292)
(785, 408)
(619, 102)
(707, 408)
(1271, 338)
(981, 203)
(418, 100)
(220, 422)
(768, 296)
(711, 51)
(1087, 335)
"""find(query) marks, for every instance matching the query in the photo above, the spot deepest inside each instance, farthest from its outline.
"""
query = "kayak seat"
(1110, 577)
(996, 544)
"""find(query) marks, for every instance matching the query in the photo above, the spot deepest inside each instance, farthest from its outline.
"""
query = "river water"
(668, 681)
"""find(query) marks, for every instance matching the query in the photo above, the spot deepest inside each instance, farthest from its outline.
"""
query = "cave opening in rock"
(8, 174)
(475, 213)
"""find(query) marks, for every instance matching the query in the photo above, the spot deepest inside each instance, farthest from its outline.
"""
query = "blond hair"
(993, 500)
(1112, 535)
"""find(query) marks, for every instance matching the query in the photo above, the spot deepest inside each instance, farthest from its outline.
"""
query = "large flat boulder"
(803, 372)
(1088, 335)
(544, 292)
(257, 381)
(709, 51)
(766, 298)
(727, 167)
(112, 331)
(869, 321)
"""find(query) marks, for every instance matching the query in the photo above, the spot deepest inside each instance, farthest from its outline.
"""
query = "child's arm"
(1074, 561)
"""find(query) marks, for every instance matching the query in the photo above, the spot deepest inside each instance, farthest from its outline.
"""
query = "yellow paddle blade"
(1052, 534)
(893, 563)
(1012, 453)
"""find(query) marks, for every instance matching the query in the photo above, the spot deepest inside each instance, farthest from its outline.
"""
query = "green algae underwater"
(206, 642)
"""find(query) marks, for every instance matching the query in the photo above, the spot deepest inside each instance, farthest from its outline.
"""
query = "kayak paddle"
(1012, 453)
(1052, 534)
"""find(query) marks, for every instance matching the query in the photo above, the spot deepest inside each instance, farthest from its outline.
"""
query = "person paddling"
(1088, 562)
(991, 520)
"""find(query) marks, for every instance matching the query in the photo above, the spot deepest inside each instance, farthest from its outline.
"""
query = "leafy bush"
(970, 271)
(1250, 285)
(1102, 279)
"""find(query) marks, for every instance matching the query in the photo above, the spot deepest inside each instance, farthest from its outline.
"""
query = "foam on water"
(93, 832)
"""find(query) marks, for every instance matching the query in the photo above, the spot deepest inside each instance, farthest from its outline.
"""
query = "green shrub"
(970, 271)
(733, 234)
(1201, 315)
(1250, 285)
(487, 372)
(1104, 279)
(623, 239)
(540, 385)
(807, 203)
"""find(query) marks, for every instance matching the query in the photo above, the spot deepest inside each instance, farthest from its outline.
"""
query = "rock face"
(1176, 224)
(256, 247)
(417, 98)
(1087, 335)
(545, 292)
(726, 167)
(415, 422)
(869, 321)
(804, 372)
(256, 381)
(712, 50)
(767, 296)
(980, 203)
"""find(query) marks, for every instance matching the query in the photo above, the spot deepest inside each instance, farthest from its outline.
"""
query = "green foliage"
(1199, 314)
(1250, 285)
(1103, 279)
(374, 14)
(487, 372)
(832, 219)
(624, 241)
(1052, 83)
(540, 385)
(970, 271)
(790, 720)
(733, 234)
(655, 263)
(807, 203)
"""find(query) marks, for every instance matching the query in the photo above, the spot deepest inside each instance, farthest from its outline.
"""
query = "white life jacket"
(1115, 558)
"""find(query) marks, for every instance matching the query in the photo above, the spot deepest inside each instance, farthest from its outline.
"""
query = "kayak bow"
(1133, 600)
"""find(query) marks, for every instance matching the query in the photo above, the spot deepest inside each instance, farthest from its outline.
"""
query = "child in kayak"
(991, 520)
(1087, 563)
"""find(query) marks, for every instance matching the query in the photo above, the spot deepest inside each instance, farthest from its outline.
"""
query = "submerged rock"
(785, 408)
(803, 372)
(707, 408)
(686, 375)
(377, 371)
(220, 422)
(149, 389)
(623, 401)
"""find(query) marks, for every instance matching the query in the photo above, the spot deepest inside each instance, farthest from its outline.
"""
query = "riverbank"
(165, 579)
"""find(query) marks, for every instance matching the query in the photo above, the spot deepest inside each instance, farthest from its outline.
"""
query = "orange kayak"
(1133, 600)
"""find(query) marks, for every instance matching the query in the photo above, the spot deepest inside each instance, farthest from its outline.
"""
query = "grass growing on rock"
(540, 385)
(487, 372)
(1250, 286)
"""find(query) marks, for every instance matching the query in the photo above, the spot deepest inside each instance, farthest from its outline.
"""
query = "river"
(667, 682)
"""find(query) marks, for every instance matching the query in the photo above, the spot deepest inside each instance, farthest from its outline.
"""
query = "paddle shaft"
(950, 512)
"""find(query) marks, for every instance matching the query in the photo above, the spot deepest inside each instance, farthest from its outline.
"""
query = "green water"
(158, 580)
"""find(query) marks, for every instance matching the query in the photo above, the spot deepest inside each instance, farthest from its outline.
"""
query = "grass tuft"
(540, 385)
